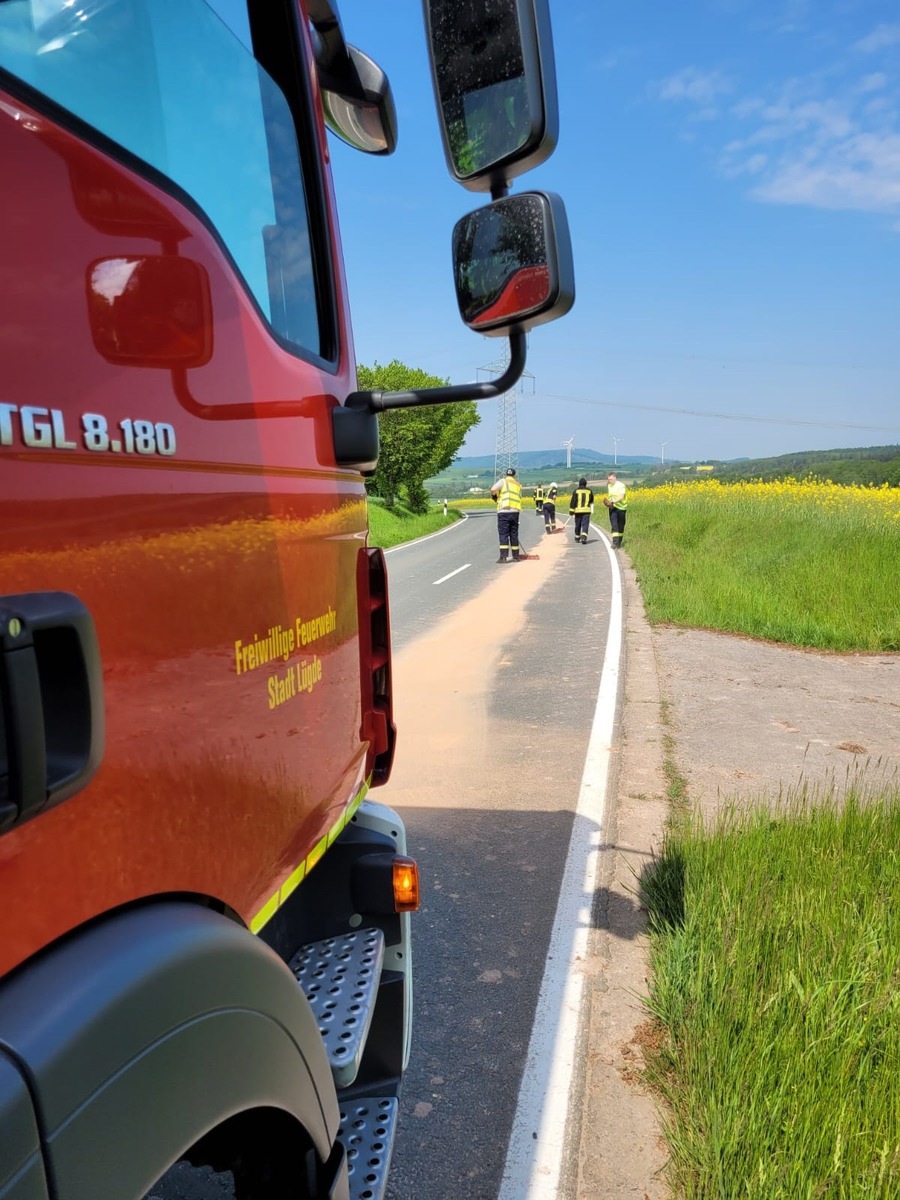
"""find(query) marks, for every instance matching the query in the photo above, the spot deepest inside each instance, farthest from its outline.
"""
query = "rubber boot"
(502, 558)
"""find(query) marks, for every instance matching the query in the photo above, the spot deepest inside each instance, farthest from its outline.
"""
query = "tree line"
(868, 465)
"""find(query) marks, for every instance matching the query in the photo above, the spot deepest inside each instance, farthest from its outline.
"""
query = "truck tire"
(169, 1031)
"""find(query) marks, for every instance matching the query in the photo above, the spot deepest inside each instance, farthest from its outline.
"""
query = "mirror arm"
(381, 401)
(332, 58)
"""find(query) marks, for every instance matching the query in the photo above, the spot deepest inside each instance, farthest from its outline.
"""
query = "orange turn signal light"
(406, 884)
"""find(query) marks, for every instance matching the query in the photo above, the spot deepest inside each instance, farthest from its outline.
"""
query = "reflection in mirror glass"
(481, 81)
(501, 263)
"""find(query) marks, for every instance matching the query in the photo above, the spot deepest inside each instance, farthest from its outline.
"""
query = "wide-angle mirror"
(512, 263)
(492, 67)
(359, 105)
(356, 96)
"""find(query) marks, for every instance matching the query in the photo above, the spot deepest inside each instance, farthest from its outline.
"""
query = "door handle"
(51, 703)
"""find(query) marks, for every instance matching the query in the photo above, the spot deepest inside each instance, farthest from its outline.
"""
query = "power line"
(720, 416)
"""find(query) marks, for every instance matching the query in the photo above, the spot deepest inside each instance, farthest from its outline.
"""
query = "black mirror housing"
(512, 264)
(358, 104)
(495, 86)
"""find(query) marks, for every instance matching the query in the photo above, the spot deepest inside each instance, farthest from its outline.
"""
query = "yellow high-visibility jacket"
(616, 493)
(509, 494)
(582, 501)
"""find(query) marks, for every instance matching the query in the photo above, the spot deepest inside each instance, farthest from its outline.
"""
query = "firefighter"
(539, 499)
(581, 506)
(507, 494)
(617, 502)
(550, 509)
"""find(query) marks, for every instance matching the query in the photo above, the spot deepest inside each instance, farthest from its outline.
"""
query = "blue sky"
(731, 171)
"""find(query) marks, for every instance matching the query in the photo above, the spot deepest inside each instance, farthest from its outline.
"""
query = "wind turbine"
(662, 453)
(616, 450)
(568, 448)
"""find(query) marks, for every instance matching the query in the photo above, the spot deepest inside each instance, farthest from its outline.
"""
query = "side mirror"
(358, 104)
(356, 96)
(494, 80)
(512, 263)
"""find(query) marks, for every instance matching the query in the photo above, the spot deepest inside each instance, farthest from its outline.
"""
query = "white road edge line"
(537, 1142)
(444, 578)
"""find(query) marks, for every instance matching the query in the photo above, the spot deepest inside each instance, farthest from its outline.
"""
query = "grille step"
(368, 1126)
(339, 977)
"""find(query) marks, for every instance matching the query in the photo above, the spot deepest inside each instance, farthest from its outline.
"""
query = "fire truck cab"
(205, 966)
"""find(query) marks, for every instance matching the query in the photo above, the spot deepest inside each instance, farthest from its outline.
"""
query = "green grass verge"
(775, 945)
(787, 568)
(392, 528)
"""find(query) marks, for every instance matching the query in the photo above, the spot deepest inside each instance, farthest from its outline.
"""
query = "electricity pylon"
(506, 453)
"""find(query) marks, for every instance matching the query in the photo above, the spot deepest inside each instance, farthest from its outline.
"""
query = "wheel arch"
(148, 1029)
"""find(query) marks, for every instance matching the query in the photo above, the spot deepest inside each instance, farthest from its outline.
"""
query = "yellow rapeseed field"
(855, 503)
(803, 561)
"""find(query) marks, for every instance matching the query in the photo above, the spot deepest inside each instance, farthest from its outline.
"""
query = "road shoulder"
(750, 722)
(621, 1152)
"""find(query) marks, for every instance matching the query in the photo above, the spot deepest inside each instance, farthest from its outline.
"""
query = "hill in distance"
(870, 466)
(858, 464)
(538, 460)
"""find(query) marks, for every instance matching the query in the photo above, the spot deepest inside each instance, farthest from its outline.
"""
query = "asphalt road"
(420, 592)
(496, 675)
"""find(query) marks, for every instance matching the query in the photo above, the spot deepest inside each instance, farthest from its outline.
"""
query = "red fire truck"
(205, 964)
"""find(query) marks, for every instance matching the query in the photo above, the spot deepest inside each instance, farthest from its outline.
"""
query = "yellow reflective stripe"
(317, 851)
(268, 910)
(361, 795)
(335, 829)
(291, 883)
(272, 905)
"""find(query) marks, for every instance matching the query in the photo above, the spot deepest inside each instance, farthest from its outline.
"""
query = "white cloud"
(823, 119)
(827, 140)
(752, 165)
(881, 104)
(861, 173)
(873, 83)
(879, 39)
(692, 84)
(748, 108)
(826, 160)
(794, 18)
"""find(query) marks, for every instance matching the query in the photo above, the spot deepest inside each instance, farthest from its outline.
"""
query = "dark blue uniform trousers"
(508, 525)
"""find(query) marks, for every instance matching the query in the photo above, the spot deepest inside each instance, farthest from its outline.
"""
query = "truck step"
(368, 1125)
(339, 977)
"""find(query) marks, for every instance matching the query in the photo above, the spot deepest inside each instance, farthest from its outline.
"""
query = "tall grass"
(391, 527)
(775, 944)
(805, 562)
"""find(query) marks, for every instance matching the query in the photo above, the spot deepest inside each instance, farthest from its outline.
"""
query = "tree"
(416, 443)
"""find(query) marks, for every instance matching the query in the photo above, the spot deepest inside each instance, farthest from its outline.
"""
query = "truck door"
(175, 337)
